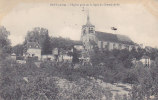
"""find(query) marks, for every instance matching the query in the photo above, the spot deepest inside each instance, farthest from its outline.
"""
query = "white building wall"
(146, 62)
(47, 56)
(99, 44)
(130, 47)
(123, 46)
(116, 45)
(91, 37)
(110, 46)
(35, 52)
(13, 57)
(136, 47)
(66, 57)
(104, 44)
(79, 47)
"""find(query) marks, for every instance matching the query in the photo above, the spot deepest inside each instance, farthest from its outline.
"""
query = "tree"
(156, 61)
(10, 80)
(39, 84)
(134, 53)
(46, 45)
(118, 97)
(154, 74)
(41, 36)
(125, 97)
(75, 56)
(5, 47)
(18, 49)
(64, 43)
(36, 35)
(4, 41)
(143, 88)
(152, 53)
(140, 53)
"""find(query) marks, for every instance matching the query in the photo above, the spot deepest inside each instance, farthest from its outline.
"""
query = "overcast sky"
(131, 20)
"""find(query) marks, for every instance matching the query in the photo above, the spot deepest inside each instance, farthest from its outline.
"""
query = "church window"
(90, 30)
(101, 44)
(84, 32)
(114, 46)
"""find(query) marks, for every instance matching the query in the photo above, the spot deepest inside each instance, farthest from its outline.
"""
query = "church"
(103, 40)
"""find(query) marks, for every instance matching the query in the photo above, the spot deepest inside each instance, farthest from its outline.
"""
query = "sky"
(132, 20)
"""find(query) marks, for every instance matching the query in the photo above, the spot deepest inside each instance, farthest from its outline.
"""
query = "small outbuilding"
(146, 61)
(13, 56)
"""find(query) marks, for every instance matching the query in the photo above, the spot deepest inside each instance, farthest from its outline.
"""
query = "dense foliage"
(5, 44)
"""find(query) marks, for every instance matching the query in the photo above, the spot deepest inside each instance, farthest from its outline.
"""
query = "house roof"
(88, 22)
(103, 36)
(13, 54)
(77, 43)
(33, 45)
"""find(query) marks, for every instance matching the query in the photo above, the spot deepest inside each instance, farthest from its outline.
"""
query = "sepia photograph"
(79, 50)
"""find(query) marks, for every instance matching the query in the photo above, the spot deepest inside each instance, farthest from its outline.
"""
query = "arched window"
(84, 32)
(91, 30)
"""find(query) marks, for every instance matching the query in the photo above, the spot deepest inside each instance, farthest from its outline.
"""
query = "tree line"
(38, 35)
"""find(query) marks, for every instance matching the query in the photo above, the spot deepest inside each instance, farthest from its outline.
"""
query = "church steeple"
(88, 19)
(88, 28)
(88, 31)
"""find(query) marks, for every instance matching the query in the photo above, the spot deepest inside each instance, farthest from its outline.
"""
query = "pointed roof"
(33, 45)
(13, 54)
(88, 21)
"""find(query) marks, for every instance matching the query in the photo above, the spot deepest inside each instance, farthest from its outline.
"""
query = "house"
(146, 61)
(65, 57)
(21, 61)
(55, 53)
(103, 40)
(47, 57)
(78, 46)
(13, 56)
(66, 54)
(33, 50)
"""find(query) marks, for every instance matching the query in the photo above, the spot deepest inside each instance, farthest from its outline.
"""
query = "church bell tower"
(88, 34)
(88, 29)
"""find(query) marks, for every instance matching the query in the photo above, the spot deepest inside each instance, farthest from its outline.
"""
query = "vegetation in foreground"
(51, 81)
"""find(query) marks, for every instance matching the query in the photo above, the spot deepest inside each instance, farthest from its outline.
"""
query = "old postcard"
(79, 50)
